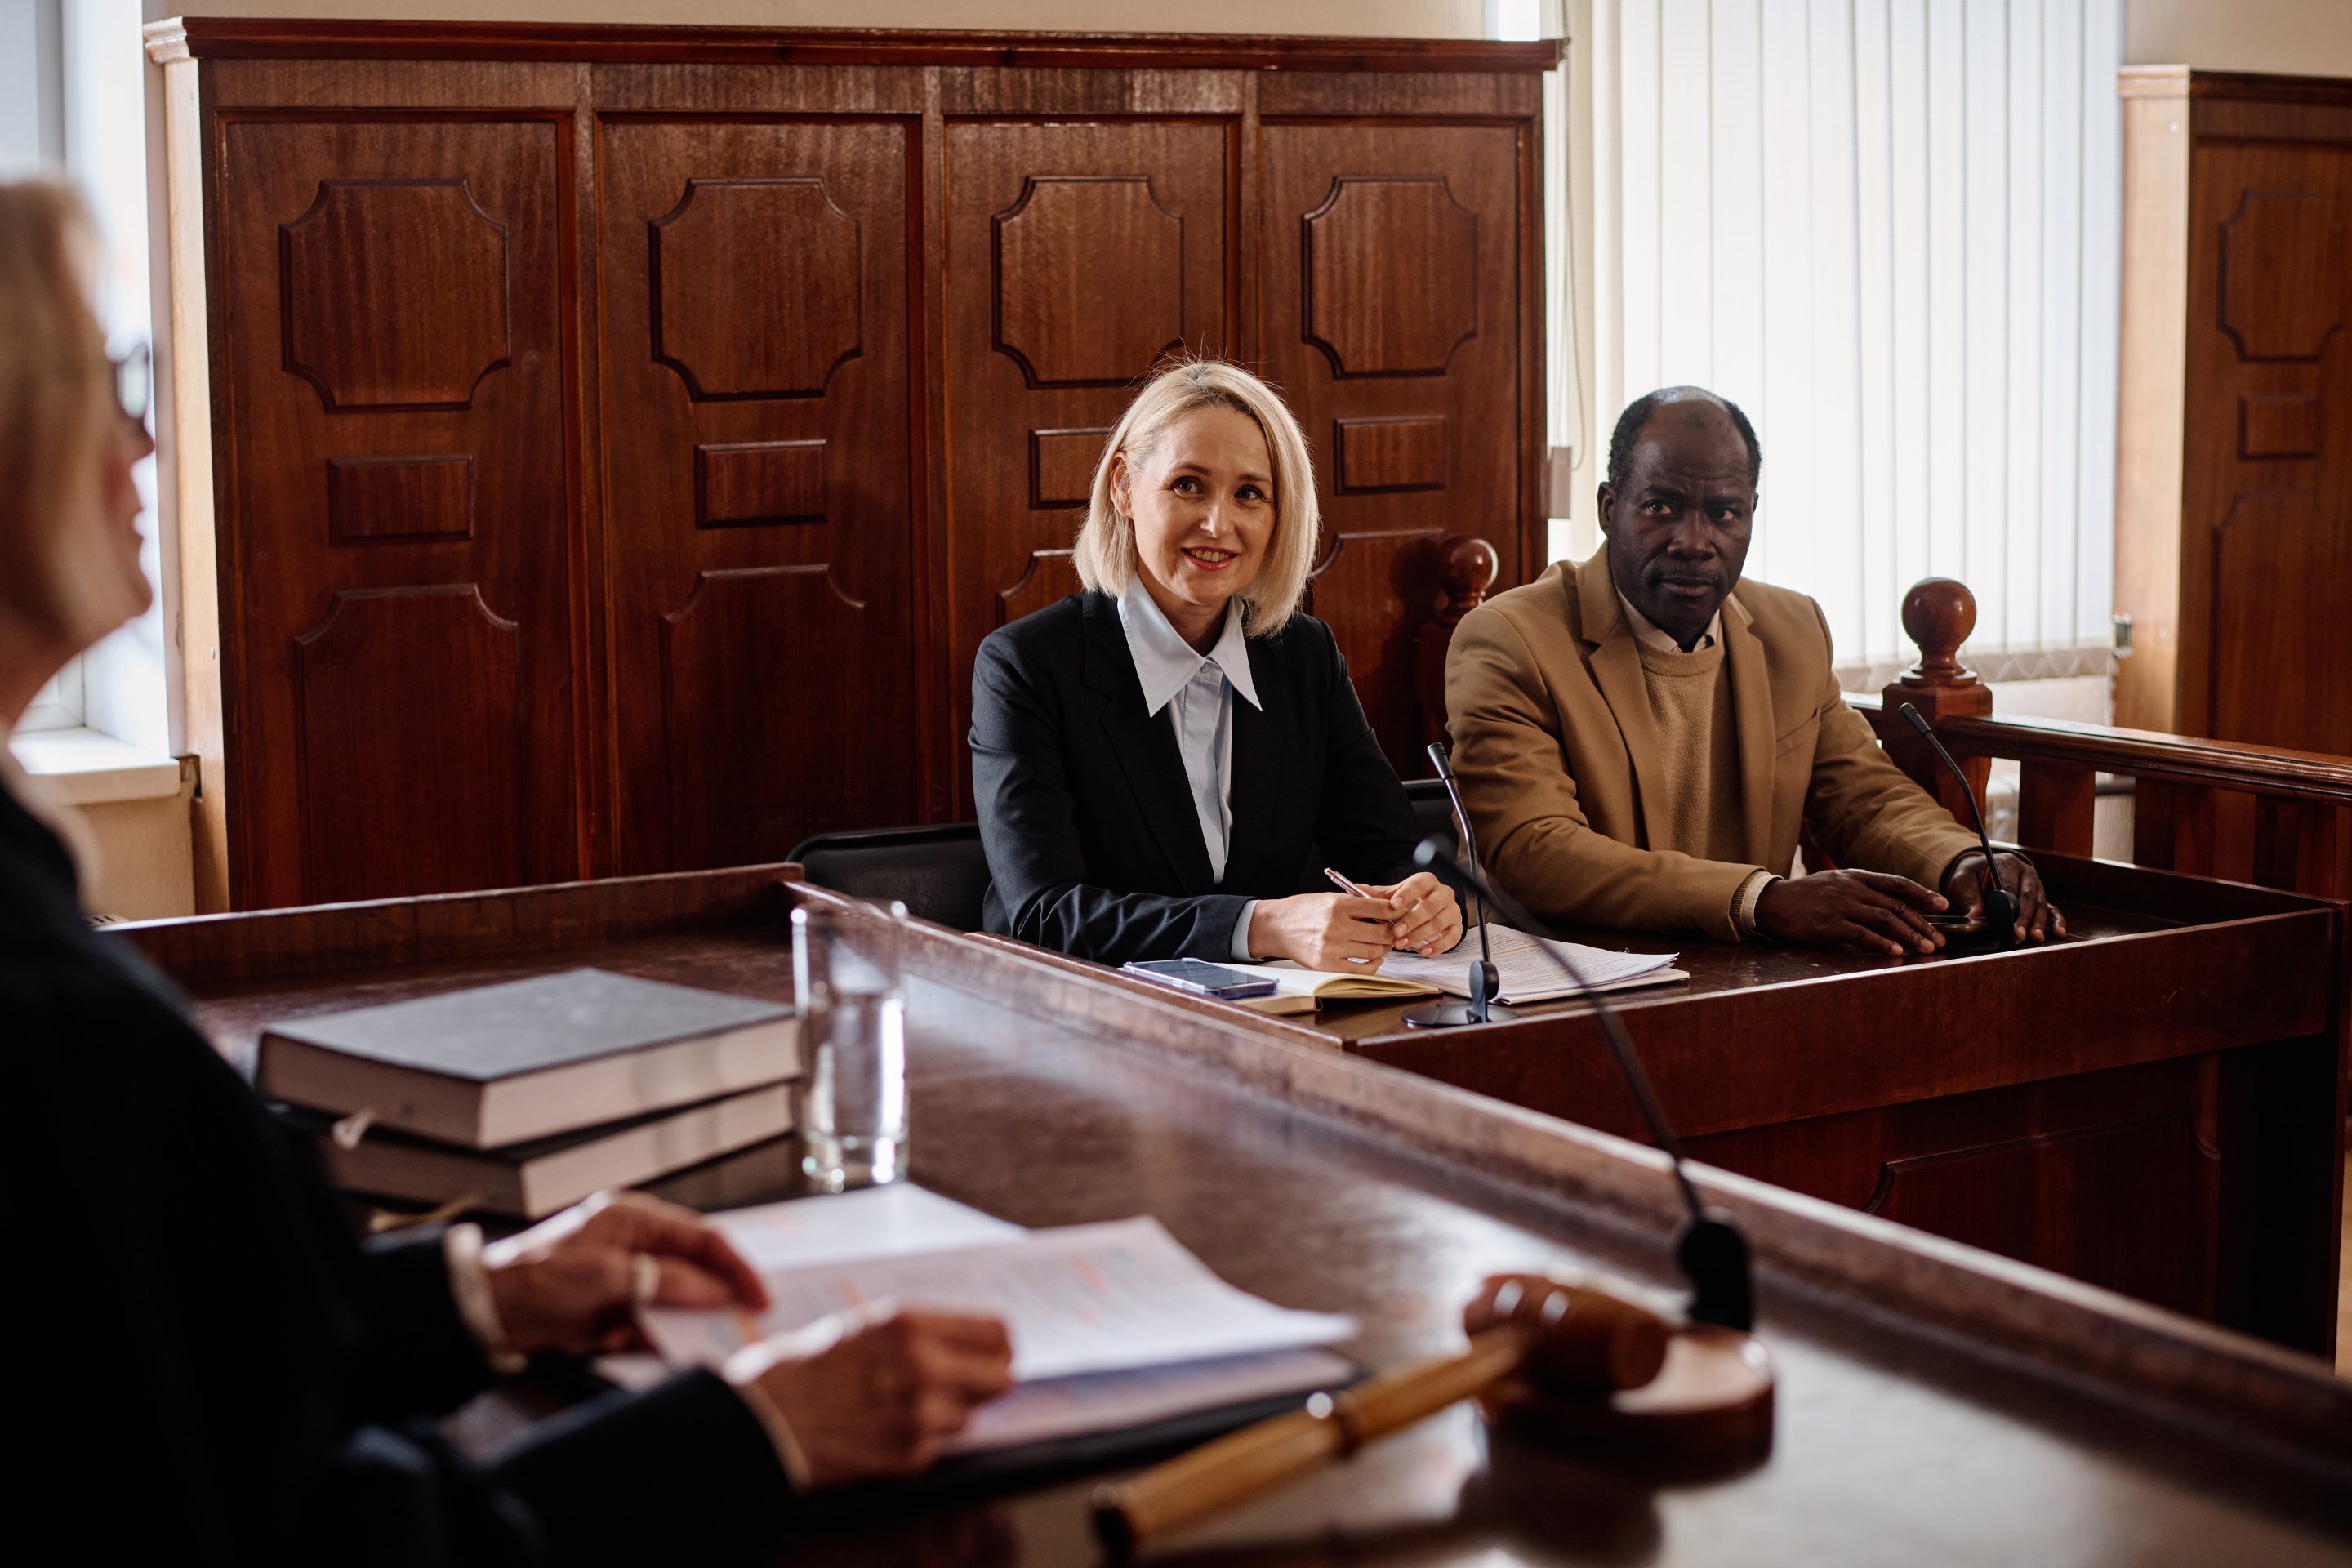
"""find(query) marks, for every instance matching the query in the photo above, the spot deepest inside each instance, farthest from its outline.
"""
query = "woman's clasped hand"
(1348, 934)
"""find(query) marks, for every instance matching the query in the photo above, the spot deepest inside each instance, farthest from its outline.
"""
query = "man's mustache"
(1660, 576)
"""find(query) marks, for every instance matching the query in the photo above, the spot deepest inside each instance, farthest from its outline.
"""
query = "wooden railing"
(2210, 808)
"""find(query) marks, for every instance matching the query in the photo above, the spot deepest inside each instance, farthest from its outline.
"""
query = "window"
(76, 103)
(1890, 230)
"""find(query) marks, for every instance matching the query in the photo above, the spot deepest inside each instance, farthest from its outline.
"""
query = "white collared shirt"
(1647, 632)
(1197, 689)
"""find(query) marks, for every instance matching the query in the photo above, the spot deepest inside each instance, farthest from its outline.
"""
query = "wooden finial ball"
(1939, 614)
(1466, 567)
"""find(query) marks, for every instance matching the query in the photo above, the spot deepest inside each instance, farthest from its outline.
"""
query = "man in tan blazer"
(1638, 745)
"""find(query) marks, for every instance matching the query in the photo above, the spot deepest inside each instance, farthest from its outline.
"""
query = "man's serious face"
(1678, 530)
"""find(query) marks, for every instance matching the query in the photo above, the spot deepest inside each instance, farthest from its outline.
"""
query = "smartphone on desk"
(1200, 979)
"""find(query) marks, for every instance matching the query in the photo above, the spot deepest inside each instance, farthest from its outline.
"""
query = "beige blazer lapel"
(1617, 671)
(1751, 710)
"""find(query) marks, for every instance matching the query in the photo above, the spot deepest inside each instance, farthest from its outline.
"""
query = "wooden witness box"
(1936, 1402)
(604, 449)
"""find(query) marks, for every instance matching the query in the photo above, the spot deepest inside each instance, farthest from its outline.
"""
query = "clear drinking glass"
(854, 1040)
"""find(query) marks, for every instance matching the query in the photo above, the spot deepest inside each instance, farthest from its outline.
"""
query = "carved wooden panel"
(2265, 547)
(775, 252)
(393, 810)
(400, 498)
(755, 375)
(1393, 272)
(1374, 592)
(1376, 454)
(394, 293)
(2286, 680)
(740, 482)
(1052, 575)
(1076, 251)
(1392, 275)
(767, 741)
(1062, 466)
(1058, 245)
(2280, 252)
(385, 731)
(2285, 426)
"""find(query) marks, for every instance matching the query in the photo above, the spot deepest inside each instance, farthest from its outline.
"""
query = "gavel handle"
(1256, 1458)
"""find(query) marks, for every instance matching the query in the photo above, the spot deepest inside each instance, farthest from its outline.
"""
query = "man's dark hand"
(2037, 918)
(1864, 912)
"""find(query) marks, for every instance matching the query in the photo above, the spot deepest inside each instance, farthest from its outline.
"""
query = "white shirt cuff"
(1241, 932)
(477, 1307)
(1744, 903)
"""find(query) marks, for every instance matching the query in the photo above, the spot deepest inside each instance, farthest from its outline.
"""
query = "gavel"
(1569, 1341)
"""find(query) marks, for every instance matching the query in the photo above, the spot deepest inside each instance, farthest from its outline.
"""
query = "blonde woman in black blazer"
(1165, 763)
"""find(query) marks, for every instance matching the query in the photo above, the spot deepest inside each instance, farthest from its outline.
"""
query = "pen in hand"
(1346, 885)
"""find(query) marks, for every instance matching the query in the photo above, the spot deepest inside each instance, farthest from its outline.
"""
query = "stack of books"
(523, 1098)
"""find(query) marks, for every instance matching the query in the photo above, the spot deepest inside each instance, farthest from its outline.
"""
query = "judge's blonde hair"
(55, 391)
(1105, 555)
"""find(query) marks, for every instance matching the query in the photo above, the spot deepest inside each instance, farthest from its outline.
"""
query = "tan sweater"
(1691, 701)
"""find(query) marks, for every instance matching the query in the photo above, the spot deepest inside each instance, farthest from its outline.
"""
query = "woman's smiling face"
(1202, 504)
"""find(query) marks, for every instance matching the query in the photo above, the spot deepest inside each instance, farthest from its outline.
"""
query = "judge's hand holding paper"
(870, 1392)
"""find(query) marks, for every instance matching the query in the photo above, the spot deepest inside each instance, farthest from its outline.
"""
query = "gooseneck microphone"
(1482, 1007)
(1711, 1253)
(2001, 906)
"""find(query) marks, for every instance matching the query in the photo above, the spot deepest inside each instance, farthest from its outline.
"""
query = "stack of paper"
(1113, 1326)
(1525, 974)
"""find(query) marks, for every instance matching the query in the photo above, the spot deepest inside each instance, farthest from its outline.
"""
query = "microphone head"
(1914, 717)
(1714, 1257)
(1437, 755)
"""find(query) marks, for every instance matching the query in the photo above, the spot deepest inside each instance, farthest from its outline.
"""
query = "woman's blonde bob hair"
(1105, 555)
(55, 391)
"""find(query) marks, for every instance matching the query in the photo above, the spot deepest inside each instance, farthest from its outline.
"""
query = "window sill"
(88, 768)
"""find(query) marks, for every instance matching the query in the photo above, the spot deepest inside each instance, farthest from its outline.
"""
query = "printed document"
(1523, 973)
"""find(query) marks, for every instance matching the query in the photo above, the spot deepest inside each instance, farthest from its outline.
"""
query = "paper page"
(1110, 1401)
(1521, 969)
(874, 1222)
(1338, 985)
(1082, 1299)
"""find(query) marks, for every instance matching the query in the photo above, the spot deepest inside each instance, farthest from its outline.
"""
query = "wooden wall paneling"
(1076, 253)
(401, 717)
(2267, 480)
(759, 483)
(1396, 316)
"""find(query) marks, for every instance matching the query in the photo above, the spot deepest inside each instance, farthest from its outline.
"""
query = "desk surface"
(1936, 1404)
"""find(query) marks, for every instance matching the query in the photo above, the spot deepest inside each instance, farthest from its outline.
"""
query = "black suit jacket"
(1093, 844)
(223, 1373)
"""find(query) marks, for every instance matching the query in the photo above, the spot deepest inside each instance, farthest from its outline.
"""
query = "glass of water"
(854, 1046)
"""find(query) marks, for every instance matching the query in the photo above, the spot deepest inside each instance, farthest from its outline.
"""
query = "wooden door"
(394, 560)
(1391, 317)
(757, 516)
(2266, 562)
(1077, 253)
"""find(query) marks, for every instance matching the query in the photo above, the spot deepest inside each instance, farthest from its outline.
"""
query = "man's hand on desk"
(1966, 883)
(571, 1284)
(1864, 912)
(876, 1394)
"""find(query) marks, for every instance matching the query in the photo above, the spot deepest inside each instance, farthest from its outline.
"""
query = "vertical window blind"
(1889, 229)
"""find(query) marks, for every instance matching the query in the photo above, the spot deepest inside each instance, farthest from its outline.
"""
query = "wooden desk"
(1936, 1404)
(2154, 1105)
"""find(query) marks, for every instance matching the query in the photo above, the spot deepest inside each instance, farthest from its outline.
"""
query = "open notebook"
(1520, 967)
(1115, 1328)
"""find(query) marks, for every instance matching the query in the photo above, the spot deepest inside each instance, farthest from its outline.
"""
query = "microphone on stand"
(1999, 931)
(1710, 1251)
(1481, 1007)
